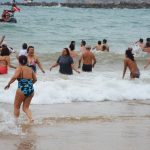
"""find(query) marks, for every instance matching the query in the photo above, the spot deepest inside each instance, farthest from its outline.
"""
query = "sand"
(82, 126)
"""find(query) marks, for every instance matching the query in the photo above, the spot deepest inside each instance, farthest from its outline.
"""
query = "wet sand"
(83, 126)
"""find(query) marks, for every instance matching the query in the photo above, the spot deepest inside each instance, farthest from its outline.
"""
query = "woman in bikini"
(5, 61)
(33, 60)
(25, 92)
(130, 63)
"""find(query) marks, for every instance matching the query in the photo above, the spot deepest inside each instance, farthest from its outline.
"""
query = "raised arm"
(2, 39)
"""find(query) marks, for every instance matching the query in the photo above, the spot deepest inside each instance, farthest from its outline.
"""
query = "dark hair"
(148, 39)
(5, 51)
(24, 46)
(104, 41)
(99, 42)
(147, 44)
(83, 42)
(29, 48)
(129, 54)
(67, 50)
(23, 60)
(141, 40)
(72, 45)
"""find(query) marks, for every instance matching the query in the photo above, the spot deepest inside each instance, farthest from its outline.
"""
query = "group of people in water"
(25, 73)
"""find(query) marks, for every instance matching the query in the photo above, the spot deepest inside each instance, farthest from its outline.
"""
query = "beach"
(86, 111)
(77, 126)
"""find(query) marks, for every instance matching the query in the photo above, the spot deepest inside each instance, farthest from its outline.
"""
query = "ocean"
(49, 30)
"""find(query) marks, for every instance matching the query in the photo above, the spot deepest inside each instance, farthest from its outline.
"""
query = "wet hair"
(141, 40)
(104, 41)
(72, 45)
(83, 42)
(23, 60)
(29, 48)
(24, 46)
(5, 51)
(129, 54)
(99, 42)
(67, 50)
(148, 39)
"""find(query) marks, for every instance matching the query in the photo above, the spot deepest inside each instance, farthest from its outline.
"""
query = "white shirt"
(23, 52)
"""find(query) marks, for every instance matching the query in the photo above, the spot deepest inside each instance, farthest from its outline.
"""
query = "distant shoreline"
(129, 5)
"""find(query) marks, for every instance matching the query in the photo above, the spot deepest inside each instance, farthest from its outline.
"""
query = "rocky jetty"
(131, 5)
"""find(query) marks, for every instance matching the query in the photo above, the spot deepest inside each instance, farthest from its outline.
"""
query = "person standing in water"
(66, 63)
(33, 60)
(23, 51)
(105, 46)
(98, 47)
(88, 59)
(72, 51)
(82, 46)
(5, 61)
(25, 92)
(130, 63)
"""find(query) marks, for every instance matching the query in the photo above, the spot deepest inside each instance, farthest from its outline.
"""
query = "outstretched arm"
(53, 66)
(73, 67)
(39, 65)
(15, 76)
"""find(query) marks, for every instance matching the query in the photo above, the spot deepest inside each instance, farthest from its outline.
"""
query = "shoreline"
(120, 5)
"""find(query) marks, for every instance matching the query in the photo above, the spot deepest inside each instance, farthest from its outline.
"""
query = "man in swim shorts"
(88, 59)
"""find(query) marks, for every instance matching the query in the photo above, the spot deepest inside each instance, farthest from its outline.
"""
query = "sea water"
(50, 29)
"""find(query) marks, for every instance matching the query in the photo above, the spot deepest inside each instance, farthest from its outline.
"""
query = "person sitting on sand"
(25, 92)
(105, 46)
(88, 59)
(98, 47)
(5, 61)
(65, 62)
(33, 60)
(130, 63)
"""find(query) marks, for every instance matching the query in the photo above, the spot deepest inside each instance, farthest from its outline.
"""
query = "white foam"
(8, 124)
(97, 86)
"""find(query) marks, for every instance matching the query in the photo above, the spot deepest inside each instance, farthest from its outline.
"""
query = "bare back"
(88, 57)
(25, 72)
(131, 65)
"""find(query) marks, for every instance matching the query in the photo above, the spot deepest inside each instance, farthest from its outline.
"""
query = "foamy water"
(104, 83)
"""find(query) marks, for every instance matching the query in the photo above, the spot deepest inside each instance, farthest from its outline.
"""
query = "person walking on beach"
(88, 59)
(33, 60)
(25, 92)
(65, 62)
(130, 63)
(5, 61)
